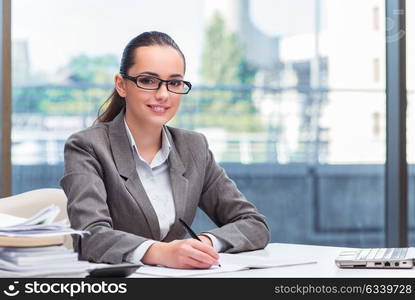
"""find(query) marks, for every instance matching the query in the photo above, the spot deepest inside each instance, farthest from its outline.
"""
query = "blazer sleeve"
(239, 223)
(87, 206)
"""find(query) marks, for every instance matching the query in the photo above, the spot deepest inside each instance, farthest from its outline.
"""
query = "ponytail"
(107, 112)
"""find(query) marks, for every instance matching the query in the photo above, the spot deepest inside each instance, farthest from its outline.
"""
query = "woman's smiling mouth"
(158, 108)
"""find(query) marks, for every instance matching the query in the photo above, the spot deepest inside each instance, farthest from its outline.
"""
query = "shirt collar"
(165, 143)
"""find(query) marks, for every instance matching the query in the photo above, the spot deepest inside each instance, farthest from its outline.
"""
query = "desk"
(325, 266)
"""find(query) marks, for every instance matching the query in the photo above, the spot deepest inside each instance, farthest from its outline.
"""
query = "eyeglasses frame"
(134, 79)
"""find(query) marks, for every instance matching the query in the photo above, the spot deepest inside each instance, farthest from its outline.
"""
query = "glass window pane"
(294, 111)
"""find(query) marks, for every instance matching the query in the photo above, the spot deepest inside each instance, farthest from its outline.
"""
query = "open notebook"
(229, 263)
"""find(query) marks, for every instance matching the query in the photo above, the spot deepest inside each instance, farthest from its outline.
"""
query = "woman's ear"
(120, 85)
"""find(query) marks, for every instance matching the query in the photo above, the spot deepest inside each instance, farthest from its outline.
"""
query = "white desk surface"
(325, 266)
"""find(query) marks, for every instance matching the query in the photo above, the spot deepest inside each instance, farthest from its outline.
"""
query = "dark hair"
(151, 38)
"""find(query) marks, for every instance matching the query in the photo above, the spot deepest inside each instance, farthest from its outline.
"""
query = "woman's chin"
(159, 122)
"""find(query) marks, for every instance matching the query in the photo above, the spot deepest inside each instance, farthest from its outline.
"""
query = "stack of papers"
(39, 230)
(40, 224)
(33, 247)
(40, 261)
(228, 262)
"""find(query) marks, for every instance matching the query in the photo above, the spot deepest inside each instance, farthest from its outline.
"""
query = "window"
(294, 111)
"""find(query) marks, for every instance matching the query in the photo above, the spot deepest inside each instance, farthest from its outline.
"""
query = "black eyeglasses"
(149, 82)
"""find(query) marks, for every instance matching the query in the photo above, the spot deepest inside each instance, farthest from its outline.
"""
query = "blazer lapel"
(179, 185)
(124, 160)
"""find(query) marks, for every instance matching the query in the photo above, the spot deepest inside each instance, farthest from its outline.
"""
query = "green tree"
(50, 100)
(98, 69)
(224, 64)
(95, 73)
(223, 60)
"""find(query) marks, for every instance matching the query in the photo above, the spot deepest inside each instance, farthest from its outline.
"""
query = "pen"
(190, 231)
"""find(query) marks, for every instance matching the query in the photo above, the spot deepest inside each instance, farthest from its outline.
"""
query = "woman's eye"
(175, 82)
(146, 80)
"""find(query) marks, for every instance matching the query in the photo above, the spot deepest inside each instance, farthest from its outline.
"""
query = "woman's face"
(152, 107)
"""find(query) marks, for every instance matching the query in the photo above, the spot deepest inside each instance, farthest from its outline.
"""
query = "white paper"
(45, 216)
(39, 225)
(45, 273)
(260, 262)
(38, 233)
(9, 220)
(228, 262)
(34, 251)
(77, 267)
(171, 272)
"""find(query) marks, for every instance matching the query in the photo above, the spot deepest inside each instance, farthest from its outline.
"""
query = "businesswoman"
(129, 178)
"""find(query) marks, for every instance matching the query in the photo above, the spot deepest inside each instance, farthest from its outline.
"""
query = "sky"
(57, 30)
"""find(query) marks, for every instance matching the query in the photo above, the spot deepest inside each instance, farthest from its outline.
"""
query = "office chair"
(29, 203)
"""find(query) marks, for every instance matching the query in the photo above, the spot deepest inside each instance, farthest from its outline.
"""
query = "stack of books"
(34, 246)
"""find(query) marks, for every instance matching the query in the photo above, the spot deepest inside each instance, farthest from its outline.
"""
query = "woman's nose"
(162, 93)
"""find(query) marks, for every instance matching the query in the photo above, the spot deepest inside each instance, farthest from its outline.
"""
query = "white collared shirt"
(155, 178)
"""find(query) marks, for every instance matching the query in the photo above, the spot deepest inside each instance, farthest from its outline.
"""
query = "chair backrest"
(29, 203)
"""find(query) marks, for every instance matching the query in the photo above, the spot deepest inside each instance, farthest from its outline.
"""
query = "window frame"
(5, 98)
(396, 167)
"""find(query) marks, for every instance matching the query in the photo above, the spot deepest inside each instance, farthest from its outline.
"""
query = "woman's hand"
(205, 239)
(182, 254)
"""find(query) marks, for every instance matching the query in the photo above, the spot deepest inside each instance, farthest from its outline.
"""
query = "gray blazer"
(106, 197)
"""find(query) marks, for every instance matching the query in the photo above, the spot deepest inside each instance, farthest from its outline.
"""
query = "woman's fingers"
(202, 257)
(189, 253)
(202, 253)
(195, 264)
(204, 248)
